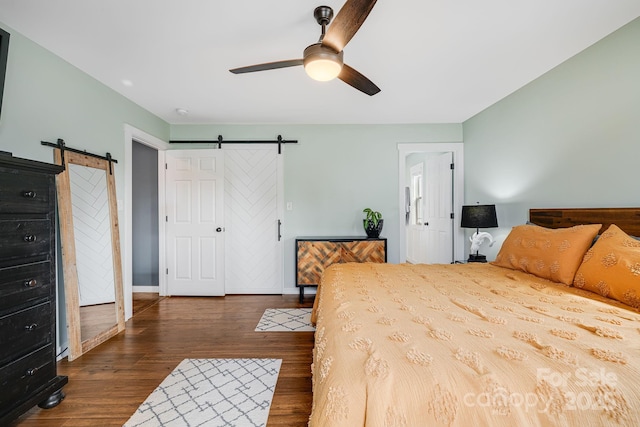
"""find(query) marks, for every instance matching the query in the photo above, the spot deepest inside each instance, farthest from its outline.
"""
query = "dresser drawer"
(24, 376)
(24, 238)
(20, 286)
(24, 193)
(23, 331)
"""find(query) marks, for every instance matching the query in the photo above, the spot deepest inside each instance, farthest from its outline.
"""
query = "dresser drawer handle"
(31, 327)
(30, 238)
(30, 283)
(29, 194)
(31, 372)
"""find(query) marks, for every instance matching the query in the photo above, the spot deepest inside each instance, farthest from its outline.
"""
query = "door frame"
(457, 148)
(131, 133)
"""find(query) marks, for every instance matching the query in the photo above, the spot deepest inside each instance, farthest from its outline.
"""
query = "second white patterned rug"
(212, 392)
(285, 319)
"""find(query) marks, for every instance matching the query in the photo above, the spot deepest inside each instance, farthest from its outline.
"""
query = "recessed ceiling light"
(127, 82)
(182, 111)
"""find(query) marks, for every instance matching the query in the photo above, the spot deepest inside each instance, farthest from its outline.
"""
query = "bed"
(523, 341)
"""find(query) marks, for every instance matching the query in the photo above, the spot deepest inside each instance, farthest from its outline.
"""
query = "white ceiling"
(436, 61)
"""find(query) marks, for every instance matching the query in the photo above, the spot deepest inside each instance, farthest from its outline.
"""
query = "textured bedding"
(469, 345)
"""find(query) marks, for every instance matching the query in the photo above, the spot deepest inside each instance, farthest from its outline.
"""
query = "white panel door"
(253, 248)
(415, 229)
(438, 209)
(195, 222)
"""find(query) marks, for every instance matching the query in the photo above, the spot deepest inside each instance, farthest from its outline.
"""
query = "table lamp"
(479, 216)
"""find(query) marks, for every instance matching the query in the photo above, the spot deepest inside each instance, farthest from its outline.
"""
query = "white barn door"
(253, 248)
(195, 222)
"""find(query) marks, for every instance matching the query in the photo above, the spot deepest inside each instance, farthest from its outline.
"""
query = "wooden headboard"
(628, 219)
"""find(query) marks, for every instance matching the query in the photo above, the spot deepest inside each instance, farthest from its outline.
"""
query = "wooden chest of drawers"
(27, 287)
(315, 254)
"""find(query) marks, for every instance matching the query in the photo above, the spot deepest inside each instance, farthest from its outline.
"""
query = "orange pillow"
(612, 267)
(553, 254)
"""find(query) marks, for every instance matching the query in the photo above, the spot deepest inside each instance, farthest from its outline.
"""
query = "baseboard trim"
(146, 289)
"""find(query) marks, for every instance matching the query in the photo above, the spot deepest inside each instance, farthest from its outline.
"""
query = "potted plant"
(372, 223)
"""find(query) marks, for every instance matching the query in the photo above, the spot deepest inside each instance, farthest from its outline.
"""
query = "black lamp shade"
(479, 216)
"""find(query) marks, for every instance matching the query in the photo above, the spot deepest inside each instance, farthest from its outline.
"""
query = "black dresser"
(27, 287)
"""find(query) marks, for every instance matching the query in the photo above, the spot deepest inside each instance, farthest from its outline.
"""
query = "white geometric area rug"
(212, 393)
(285, 319)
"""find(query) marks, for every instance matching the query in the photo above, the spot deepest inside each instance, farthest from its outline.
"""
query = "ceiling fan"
(323, 61)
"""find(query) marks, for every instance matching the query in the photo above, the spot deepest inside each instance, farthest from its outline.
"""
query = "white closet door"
(195, 222)
(253, 249)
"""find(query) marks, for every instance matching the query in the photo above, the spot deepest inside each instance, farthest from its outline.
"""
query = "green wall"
(571, 138)
(333, 173)
(46, 98)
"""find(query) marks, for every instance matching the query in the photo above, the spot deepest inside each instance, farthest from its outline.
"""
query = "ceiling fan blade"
(346, 23)
(267, 66)
(358, 81)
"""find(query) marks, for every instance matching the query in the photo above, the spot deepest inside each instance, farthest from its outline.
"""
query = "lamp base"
(477, 258)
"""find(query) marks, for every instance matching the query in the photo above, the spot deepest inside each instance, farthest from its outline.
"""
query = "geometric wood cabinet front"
(316, 254)
(27, 287)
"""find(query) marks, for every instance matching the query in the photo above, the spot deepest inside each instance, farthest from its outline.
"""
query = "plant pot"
(373, 231)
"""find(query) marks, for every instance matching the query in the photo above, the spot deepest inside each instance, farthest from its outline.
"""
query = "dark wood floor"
(144, 300)
(107, 384)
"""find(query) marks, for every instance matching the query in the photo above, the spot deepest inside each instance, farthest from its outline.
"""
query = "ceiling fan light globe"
(323, 70)
(322, 63)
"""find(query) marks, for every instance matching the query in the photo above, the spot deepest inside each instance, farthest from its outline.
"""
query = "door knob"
(219, 229)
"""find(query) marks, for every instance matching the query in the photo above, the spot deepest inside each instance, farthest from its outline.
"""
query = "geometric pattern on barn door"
(253, 252)
(92, 231)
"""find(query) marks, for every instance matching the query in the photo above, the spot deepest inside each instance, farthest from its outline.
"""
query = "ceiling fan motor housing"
(319, 51)
(323, 15)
